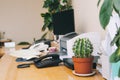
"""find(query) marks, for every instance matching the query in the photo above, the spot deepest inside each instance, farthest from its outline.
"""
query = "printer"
(64, 40)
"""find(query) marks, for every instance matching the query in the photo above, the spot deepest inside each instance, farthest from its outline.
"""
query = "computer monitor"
(63, 22)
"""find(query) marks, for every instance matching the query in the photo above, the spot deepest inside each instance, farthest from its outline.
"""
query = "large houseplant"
(82, 58)
(107, 9)
(53, 6)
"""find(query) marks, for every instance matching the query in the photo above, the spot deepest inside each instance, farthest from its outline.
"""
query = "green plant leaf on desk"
(24, 43)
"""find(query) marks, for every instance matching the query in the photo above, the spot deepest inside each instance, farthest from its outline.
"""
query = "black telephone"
(47, 61)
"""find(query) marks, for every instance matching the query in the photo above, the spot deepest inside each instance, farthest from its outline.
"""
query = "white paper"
(114, 20)
(106, 48)
(9, 44)
(111, 31)
(106, 67)
(25, 53)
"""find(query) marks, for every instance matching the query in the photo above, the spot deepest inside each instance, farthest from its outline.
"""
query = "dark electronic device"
(47, 61)
(23, 66)
(68, 63)
(24, 60)
(63, 41)
(63, 22)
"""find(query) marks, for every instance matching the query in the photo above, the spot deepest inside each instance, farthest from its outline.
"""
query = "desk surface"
(2, 41)
(9, 71)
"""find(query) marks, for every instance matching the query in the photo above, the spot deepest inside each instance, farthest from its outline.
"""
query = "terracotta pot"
(83, 65)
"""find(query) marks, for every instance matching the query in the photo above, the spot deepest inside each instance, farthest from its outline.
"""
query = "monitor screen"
(63, 22)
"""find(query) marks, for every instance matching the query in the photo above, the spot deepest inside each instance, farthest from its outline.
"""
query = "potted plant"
(53, 6)
(107, 9)
(82, 59)
(115, 57)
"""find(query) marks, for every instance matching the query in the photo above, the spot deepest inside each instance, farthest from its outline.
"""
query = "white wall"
(87, 16)
(20, 19)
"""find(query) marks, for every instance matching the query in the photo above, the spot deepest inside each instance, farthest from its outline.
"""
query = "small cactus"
(82, 48)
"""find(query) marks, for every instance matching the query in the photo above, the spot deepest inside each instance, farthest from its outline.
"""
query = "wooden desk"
(9, 71)
(3, 41)
(1, 45)
(1, 51)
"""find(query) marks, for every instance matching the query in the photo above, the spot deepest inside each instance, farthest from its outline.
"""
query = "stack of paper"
(25, 53)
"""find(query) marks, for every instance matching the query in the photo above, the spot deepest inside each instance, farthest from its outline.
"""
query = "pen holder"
(115, 70)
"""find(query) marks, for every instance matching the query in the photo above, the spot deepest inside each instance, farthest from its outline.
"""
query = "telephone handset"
(39, 46)
(47, 61)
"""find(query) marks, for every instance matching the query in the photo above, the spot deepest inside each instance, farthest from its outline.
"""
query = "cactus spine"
(82, 48)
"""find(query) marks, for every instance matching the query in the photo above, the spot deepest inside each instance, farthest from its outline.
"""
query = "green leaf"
(50, 26)
(119, 72)
(24, 43)
(98, 2)
(115, 40)
(116, 4)
(44, 35)
(52, 7)
(45, 26)
(115, 9)
(105, 12)
(42, 14)
(47, 21)
(46, 4)
(115, 57)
